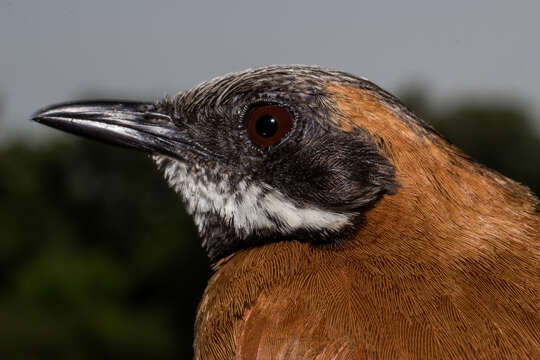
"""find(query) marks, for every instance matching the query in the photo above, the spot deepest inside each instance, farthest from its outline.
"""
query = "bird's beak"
(129, 124)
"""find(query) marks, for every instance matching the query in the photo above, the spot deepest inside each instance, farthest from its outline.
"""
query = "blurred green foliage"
(99, 260)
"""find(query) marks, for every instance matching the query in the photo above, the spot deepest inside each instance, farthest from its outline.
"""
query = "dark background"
(98, 259)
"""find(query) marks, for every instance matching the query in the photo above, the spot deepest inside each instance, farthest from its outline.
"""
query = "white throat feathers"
(248, 206)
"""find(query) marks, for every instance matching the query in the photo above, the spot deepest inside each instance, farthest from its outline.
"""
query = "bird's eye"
(268, 124)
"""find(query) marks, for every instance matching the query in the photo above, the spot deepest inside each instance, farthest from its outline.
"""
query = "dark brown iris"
(268, 124)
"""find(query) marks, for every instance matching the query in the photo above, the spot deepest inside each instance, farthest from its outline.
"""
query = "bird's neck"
(445, 212)
(446, 220)
(445, 203)
(448, 206)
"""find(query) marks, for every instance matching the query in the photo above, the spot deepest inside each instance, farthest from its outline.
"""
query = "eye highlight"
(268, 124)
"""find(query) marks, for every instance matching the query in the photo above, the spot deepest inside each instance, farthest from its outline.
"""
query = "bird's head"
(264, 155)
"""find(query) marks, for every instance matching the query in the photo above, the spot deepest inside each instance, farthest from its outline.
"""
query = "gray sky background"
(52, 51)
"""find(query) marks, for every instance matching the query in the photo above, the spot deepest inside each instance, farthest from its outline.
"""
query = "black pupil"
(266, 126)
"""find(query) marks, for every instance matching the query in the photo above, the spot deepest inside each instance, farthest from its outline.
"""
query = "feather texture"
(447, 268)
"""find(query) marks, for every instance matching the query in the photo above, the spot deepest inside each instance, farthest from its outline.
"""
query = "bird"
(338, 223)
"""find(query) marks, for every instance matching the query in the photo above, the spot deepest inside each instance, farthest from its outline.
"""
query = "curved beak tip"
(128, 124)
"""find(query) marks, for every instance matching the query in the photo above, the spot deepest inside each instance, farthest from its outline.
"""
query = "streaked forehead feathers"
(304, 86)
(298, 81)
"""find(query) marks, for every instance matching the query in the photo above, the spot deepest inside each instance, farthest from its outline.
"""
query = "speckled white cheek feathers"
(248, 207)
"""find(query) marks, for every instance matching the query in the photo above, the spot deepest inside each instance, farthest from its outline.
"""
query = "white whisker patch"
(246, 206)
